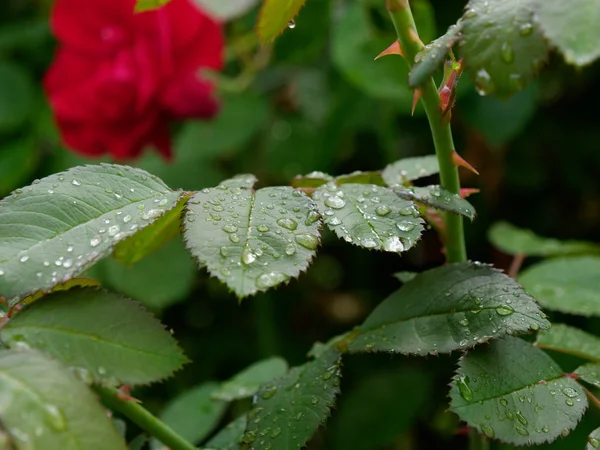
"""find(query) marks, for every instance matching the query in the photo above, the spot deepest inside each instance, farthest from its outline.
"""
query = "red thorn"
(123, 394)
(572, 375)
(394, 49)
(465, 192)
(462, 431)
(459, 161)
(445, 94)
(416, 97)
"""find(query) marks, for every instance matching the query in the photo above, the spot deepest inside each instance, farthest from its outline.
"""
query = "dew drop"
(334, 221)
(382, 210)
(96, 240)
(307, 241)
(594, 442)
(312, 217)
(224, 251)
(406, 226)
(76, 183)
(483, 82)
(393, 244)
(565, 432)
(505, 310)
(288, 224)
(522, 431)
(268, 392)
(24, 258)
(526, 29)
(55, 417)
(267, 280)
(291, 24)
(368, 243)
(112, 231)
(464, 322)
(487, 430)
(464, 388)
(262, 228)
(68, 263)
(248, 257)
(570, 392)
(335, 202)
(229, 228)
(1, 272)
(569, 402)
(290, 249)
(507, 53)
(521, 418)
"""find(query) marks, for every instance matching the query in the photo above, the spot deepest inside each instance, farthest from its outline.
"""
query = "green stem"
(441, 132)
(146, 421)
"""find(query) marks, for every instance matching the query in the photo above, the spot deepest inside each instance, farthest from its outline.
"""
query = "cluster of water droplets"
(438, 198)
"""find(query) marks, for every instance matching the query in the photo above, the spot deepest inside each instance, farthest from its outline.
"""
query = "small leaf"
(230, 437)
(151, 238)
(590, 373)
(502, 44)
(438, 198)
(275, 16)
(46, 407)
(300, 400)
(244, 181)
(252, 240)
(61, 225)
(359, 177)
(429, 60)
(409, 169)
(311, 180)
(193, 414)
(565, 339)
(107, 338)
(148, 5)
(369, 216)
(513, 240)
(593, 442)
(569, 285)
(572, 27)
(448, 308)
(246, 383)
(514, 392)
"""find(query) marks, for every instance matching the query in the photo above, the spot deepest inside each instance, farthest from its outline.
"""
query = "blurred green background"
(316, 100)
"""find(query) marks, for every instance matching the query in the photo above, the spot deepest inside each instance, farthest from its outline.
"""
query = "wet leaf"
(369, 216)
(230, 437)
(590, 373)
(246, 383)
(438, 198)
(431, 58)
(289, 410)
(359, 177)
(572, 27)
(565, 339)
(311, 180)
(409, 169)
(46, 407)
(593, 442)
(448, 308)
(276, 16)
(105, 337)
(516, 393)
(569, 284)
(502, 45)
(252, 240)
(59, 226)
(513, 240)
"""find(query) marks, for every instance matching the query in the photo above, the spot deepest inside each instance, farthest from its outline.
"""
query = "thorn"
(459, 161)
(394, 49)
(416, 97)
(572, 375)
(465, 192)
(123, 394)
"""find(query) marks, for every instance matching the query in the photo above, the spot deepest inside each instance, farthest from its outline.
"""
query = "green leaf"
(359, 177)
(152, 282)
(246, 383)
(593, 442)
(514, 392)
(275, 16)
(409, 169)
(300, 401)
(513, 240)
(565, 339)
(61, 225)
(107, 338)
(16, 96)
(502, 44)
(590, 373)
(230, 437)
(438, 198)
(226, 10)
(311, 180)
(151, 238)
(448, 308)
(252, 240)
(193, 414)
(572, 27)
(147, 5)
(569, 285)
(46, 407)
(429, 60)
(369, 216)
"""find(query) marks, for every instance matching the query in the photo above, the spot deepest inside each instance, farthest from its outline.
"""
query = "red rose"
(119, 78)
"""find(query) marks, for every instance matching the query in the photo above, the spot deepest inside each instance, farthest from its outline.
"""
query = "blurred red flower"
(119, 78)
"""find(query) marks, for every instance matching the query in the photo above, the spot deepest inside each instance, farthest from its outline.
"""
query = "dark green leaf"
(246, 383)
(429, 60)
(514, 392)
(275, 16)
(409, 169)
(502, 44)
(438, 198)
(448, 308)
(230, 437)
(46, 408)
(572, 27)
(590, 373)
(513, 240)
(359, 177)
(16, 96)
(369, 216)
(193, 414)
(107, 338)
(570, 285)
(566, 339)
(252, 240)
(59, 226)
(593, 442)
(289, 410)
